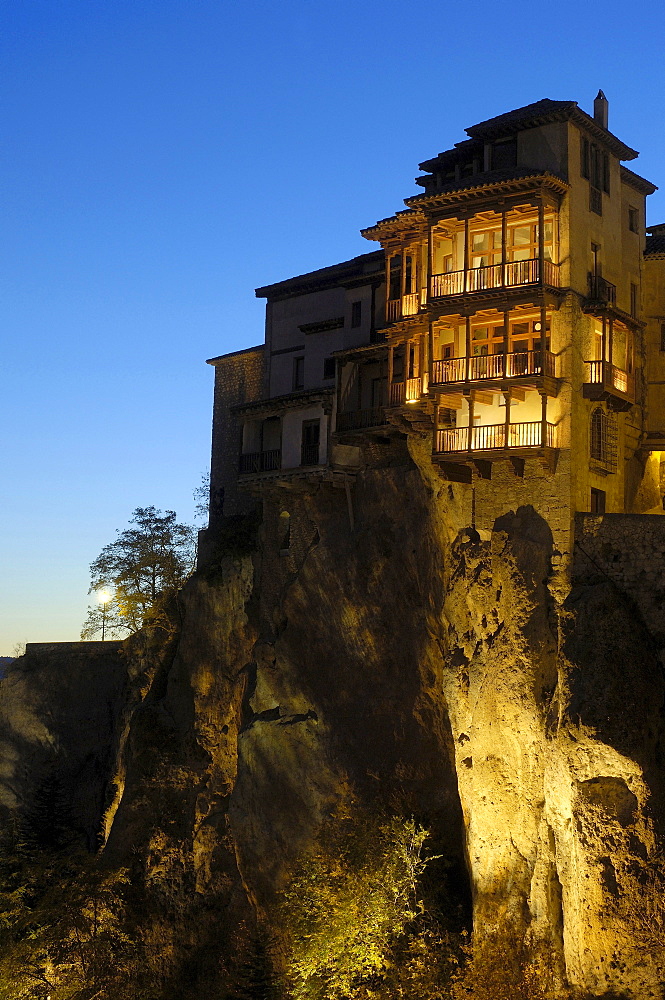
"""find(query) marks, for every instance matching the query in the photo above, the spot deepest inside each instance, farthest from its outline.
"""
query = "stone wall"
(629, 550)
(238, 379)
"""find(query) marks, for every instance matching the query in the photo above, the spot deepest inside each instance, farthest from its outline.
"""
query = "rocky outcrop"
(393, 652)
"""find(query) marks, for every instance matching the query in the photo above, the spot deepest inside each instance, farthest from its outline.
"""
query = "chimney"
(600, 109)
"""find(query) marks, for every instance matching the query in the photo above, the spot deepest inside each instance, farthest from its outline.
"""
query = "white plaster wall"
(292, 435)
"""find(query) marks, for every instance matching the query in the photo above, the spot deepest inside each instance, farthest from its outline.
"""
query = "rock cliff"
(391, 656)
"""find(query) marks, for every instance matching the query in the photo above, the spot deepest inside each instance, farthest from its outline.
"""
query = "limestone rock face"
(391, 650)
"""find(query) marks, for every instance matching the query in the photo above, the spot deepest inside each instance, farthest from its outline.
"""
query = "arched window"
(603, 438)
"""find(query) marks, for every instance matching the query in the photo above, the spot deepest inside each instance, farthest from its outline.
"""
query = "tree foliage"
(144, 566)
(62, 932)
(354, 921)
(107, 619)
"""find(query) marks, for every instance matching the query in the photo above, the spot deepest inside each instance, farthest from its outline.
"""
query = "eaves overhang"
(408, 221)
(291, 400)
(546, 112)
(641, 184)
(475, 186)
(235, 354)
(352, 272)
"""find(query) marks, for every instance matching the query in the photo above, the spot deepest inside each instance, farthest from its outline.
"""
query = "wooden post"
(391, 367)
(543, 338)
(430, 259)
(506, 432)
(603, 350)
(466, 251)
(543, 420)
(471, 415)
(468, 347)
(430, 352)
(506, 340)
(436, 425)
(421, 359)
(610, 347)
(541, 241)
(338, 387)
(504, 244)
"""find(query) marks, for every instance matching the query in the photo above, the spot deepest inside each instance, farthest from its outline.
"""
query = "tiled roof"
(482, 180)
(640, 183)
(654, 245)
(530, 114)
(358, 267)
(543, 112)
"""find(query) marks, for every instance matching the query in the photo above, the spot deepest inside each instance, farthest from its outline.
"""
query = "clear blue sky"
(164, 157)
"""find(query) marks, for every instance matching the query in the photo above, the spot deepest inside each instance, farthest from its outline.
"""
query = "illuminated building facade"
(514, 318)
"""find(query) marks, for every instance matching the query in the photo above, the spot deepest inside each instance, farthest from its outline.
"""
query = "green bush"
(353, 922)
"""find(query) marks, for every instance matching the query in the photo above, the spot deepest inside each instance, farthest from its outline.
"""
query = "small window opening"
(633, 220)
(299, 373)
(603, 443)
(597, 501)
(328, 368)
(662, 336)
(309, 449)
(356, 313)
(284, 531)
(634, 300)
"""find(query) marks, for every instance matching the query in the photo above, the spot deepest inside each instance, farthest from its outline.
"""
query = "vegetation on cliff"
(140, 571)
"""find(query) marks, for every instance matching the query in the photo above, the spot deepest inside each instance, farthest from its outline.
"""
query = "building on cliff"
(513, 319)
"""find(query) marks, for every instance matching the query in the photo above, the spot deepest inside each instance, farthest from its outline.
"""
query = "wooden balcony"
(481, 439)
(605, 381)
(260, 461)
(601, 290)
(360, 420)
(493, 367)
(407, 305)
(309, 454)
(407, 392)
(512, 274)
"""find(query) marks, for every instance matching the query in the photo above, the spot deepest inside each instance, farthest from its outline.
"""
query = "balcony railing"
(357, 420)
(407, 305)
(611, 377)
(407, 392)
(260, 461)
(492, 366)
(492, 437)
(601, 290)
(309, 454)
(508, 275)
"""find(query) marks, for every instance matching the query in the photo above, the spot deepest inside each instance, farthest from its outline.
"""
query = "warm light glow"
(104, 596)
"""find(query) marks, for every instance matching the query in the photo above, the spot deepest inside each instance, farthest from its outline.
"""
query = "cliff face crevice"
(389, 655)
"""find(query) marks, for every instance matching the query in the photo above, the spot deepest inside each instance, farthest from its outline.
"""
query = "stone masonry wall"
(238, 379)
(629, 550)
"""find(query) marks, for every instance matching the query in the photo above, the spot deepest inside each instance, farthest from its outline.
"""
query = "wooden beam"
(452, 402)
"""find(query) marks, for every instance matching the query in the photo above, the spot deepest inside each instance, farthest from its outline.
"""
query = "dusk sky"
(162, 158)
